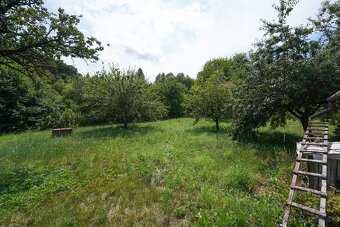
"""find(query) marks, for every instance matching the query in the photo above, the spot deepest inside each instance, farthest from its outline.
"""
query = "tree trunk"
(125, 124)
(217, 124)
(304, 121)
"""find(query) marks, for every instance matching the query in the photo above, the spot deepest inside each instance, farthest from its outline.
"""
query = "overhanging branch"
(294, 114)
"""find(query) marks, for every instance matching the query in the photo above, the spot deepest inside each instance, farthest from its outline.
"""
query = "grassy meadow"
(152, 174)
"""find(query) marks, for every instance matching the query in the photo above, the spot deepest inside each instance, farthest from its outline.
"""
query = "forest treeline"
(288, 74)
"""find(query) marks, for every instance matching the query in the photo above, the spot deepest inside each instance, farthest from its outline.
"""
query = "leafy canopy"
(121, 96)
(171, 90)
(32, 38)
(292, 71)
(209, 97)
(21, 104)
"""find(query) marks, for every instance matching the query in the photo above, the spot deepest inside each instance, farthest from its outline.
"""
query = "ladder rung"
(313, 128)
(310, 160)
(315, 151)
(310, 174)
(317, 129)
(315, 144)
(317, 192)
(308, 209)
(313, 138)
(316, 133)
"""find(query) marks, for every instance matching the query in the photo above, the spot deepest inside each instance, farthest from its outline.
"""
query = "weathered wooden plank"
(310, 174)
(311, 160)
(322, 211)
(314, 138)
(291, 192)
(316, 133)
(317, 192)
(297, 164)
(313, 130)
(322, 222)
(308, 209)
(324, 170)
(287, 210)
(317, 129)
(315, 144)
(314, 151)
(324, 157)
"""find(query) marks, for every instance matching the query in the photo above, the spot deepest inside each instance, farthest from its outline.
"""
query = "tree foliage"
(171, 90)
(21, 104)
(209, 99)
(291, 74)
(32, 38)
(220, 66)
(121, 96)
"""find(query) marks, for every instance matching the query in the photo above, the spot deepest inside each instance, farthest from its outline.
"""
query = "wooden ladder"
(316, 136)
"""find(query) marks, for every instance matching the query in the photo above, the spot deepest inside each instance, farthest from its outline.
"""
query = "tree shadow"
(113, 131)
(270, 142)
(210, 130)
(19, 180)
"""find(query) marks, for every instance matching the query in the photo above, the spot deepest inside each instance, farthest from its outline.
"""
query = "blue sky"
(173, 35)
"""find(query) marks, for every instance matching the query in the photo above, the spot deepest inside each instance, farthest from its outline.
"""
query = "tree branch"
(5, 53)
(294, 114)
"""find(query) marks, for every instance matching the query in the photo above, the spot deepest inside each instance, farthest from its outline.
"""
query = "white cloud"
(176, 35)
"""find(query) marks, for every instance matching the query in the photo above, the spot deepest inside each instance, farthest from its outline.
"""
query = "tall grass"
(161, 173)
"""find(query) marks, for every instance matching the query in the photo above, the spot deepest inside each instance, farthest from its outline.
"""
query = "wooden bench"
(57, 132)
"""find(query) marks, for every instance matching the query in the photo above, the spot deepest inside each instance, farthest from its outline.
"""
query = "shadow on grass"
(210, 130)
(18, 180)
(271, 142)
(116, 131)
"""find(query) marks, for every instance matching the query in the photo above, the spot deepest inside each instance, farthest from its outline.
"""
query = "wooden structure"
(57, 132)
(316, 152)
(333, 176)
(316, 135)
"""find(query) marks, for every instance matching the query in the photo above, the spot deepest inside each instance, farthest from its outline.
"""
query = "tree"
(121, 96)
(21, 104)
(140, 73)
(290, 75)
(240, 66)
(171, 90)
(32, 38)
(161, 77)
(63, 71)
(209, 99)
(171, 95)
(219, 66)
(187, 81)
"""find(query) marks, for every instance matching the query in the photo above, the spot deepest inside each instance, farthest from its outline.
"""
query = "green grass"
(152, 174)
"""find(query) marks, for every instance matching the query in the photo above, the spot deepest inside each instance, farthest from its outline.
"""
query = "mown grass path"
(161, 173)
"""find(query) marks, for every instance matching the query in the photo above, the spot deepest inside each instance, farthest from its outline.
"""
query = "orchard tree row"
(288, 74)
